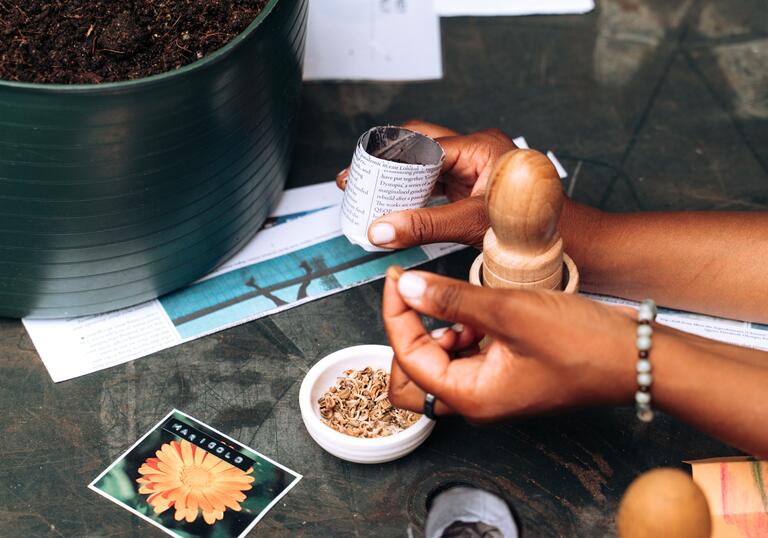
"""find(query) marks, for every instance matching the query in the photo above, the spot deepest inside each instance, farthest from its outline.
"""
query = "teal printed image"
(310, 272)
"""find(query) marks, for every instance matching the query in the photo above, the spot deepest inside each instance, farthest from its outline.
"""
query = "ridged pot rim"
(153, 79)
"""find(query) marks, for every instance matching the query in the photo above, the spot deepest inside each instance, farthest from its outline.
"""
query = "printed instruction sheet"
(730, 331)
(393, 40)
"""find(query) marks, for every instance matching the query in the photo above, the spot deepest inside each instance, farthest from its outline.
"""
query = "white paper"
(295, 203)
(522, 143)
(455, 8)
(402, 179)
(559, 167)
(310, 198)
(393, 40)
(730, 331)
(78, 346)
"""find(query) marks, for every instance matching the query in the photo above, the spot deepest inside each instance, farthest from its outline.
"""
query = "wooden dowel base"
(570, 275)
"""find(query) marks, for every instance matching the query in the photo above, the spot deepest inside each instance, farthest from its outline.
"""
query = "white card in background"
(373, 40)
(458, 8)
(522, 143)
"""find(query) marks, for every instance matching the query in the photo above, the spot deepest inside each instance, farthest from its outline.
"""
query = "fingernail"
(382, 233)
(394, 272)
(458, 328)
(437, 334)
(342, 172)
(411, 286)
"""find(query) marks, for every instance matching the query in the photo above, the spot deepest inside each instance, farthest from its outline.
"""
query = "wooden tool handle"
(523, 248)
(664, 502)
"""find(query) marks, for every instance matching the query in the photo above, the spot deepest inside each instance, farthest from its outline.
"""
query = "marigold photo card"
(193, 481)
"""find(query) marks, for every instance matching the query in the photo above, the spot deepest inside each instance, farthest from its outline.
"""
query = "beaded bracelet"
(645, 316)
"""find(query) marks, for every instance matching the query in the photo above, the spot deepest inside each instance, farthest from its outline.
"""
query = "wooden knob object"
(523, 248)
(664, 502)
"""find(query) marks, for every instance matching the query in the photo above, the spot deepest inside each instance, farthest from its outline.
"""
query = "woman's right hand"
(550, 350)
(469, 160)
(553, 351)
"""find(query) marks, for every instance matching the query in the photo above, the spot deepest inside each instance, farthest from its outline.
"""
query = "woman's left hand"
(550, 350)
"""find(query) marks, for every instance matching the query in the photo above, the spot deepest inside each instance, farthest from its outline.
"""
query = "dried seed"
(358, 405)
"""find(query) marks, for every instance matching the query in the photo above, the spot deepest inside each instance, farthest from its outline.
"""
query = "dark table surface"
(665, 106)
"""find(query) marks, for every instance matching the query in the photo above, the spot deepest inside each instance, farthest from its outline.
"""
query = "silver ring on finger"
(429, 406)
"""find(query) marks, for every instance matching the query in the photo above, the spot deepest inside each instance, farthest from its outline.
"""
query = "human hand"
(550, 350)
(469, 160)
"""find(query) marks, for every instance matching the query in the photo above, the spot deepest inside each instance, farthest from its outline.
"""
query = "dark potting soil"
(95, 41)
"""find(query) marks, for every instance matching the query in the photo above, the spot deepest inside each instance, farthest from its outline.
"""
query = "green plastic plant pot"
(115, 194)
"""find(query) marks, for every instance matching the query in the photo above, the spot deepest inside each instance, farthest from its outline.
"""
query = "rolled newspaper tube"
(393, 169)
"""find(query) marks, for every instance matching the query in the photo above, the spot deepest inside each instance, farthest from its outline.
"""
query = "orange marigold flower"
(191, 480)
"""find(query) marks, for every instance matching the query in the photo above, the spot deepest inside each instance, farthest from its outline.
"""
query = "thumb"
(463, 222)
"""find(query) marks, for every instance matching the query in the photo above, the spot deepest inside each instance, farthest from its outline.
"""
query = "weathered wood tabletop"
(661, 105)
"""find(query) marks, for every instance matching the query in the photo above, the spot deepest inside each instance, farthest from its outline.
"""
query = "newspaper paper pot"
(114, 194)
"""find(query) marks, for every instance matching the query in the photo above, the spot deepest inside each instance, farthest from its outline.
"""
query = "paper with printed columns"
(393, 169)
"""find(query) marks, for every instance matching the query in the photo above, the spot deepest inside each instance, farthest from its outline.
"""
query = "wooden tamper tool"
(523, 248)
